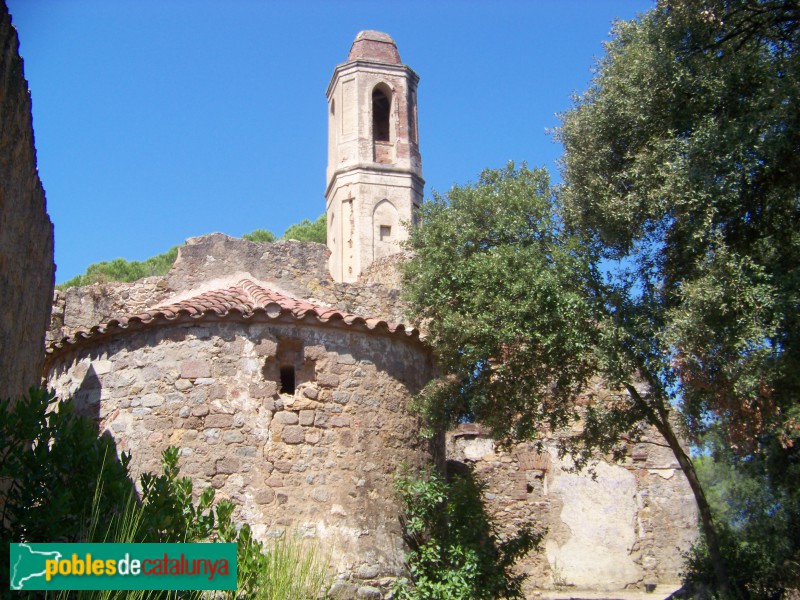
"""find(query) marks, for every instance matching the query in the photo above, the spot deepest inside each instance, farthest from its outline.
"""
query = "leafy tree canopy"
(260, 235)
(667, 264)
(682, 164)
(306, 231)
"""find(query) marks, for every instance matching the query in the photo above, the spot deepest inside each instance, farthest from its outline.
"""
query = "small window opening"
(386, 232)
(380, 116)
(529, 488)
(287, 379)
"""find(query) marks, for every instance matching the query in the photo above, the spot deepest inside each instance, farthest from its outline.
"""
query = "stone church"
(284, 371)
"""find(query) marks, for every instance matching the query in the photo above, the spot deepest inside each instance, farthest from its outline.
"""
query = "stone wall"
(317, 461)
(26, 233)
(626, 529)
(298, 269)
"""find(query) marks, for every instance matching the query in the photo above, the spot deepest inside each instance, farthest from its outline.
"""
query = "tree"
(681, 166)
(668, 263)
(306, 231)
(260, 235)
(523, 318)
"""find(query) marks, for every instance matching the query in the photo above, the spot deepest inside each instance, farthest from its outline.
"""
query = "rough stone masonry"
(26, 234)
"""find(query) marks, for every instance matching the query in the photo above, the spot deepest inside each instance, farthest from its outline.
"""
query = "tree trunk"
(662, 424)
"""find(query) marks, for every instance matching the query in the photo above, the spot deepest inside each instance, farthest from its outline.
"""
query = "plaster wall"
(624, 529)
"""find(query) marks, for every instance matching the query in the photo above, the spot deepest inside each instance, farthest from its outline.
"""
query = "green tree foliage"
(306, 231)
(454, 551)
(120, 269)
(260, 235)
(668, 264)
(522, 317)
(757, 519)
(682, 170)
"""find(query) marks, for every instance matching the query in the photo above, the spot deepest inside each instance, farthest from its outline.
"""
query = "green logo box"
(123, 567)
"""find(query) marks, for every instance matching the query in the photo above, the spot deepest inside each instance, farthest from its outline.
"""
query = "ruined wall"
(26, 233)
(297, 268)
(625, 529)
(318, 461)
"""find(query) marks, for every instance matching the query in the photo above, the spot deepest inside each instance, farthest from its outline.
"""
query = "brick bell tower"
(374, 176)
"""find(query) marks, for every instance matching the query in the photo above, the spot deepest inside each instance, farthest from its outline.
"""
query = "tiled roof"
(246, 299)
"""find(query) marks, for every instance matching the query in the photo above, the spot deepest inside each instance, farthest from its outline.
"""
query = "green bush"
(260, 235)
(455, 552)
(306, 231)
(120, 269)
(50, 456)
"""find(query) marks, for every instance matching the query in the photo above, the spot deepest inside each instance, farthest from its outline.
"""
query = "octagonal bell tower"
(374, 176)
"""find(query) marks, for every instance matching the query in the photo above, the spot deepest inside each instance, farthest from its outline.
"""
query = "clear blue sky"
(156, 120)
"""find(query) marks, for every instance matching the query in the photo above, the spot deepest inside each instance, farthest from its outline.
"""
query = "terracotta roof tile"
(244, 300)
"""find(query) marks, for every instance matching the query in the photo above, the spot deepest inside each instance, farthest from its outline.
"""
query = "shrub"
(306, 231)
(260, 235)
(455, 552)
(48, 460)
(120, 269)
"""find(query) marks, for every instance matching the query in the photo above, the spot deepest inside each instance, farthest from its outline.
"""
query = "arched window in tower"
(381, 105)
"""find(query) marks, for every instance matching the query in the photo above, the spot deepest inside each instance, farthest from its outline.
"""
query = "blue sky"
(156, 121)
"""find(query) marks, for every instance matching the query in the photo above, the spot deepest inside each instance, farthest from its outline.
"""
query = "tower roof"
(374, 46)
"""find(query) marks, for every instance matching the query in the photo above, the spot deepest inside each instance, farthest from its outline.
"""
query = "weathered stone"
(266, 348)
(327, 380)
(369, 592)
(345, 359)
(26, 234)
(192, 369)
(199, 411)
(228, 465)
(341, 397)
(152, 400)
(321, 495)
(293, 434)
(368, 571)
(265, 496)
(217, 391)
(263, 390)
(220, 421)
(340, 421)
(341, 590)
(233, 437)
(324, 463)
(285, 417)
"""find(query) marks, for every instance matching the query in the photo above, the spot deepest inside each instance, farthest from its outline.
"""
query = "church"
(284, 372)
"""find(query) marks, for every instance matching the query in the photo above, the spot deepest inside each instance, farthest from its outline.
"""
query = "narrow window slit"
(287, 379)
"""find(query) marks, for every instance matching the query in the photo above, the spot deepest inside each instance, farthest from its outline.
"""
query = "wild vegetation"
(120, 269)
(454, 551)
(667, 263)
(50, 456)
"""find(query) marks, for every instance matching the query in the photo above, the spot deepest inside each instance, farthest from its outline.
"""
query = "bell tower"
(374, 175)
